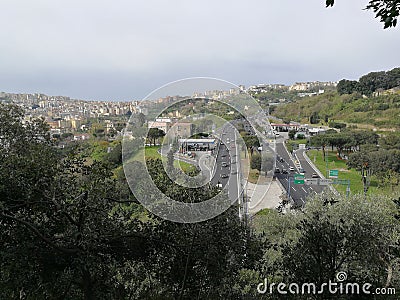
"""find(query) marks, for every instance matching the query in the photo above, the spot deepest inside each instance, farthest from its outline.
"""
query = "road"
(298, 192)
(228, 164)
(227, 172)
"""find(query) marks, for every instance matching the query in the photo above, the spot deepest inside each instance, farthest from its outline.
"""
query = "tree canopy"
(386, 10)
(371, 82)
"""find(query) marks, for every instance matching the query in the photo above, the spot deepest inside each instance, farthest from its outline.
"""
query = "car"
(224, 175)
(291, 169)
(277, 170)
(281, 160)
(224, 164)
(301, 171)
(284, 171)
(314, 175)
(223, 155)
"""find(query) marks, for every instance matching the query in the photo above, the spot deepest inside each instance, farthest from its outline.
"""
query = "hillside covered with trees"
(372, 101)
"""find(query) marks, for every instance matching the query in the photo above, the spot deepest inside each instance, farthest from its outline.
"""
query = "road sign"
(325, 181)
(298, 179)
(333, 173)
(341, 181)
(311, 181)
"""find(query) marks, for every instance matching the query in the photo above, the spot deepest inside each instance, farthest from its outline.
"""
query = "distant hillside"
(372, 101)
(382, 112)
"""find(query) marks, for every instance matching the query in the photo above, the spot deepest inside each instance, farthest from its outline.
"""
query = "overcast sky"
(124, 49)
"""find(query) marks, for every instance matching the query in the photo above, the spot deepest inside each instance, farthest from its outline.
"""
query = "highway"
(298, 192)
(227, 168)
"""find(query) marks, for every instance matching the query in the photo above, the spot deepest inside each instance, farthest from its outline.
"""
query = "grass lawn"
(356, 185)
(152, 152)
(253, 176)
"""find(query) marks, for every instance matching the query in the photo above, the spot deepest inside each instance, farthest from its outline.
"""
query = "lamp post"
(326, 163)
(364, 178)
(348, 189)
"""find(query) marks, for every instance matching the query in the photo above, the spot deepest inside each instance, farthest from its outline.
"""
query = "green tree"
(292, 134)
(62, 235)
(198, 261)
(355, 235)
(154, 134)
(370, 82)
(320, 140)
(251, 141)
(390, 141)
(345, 86)
(386, 10)
(255, 161)
(115, 155)
(314, 118)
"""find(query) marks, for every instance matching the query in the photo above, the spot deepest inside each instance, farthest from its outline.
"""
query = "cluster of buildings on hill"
(304, 88)
(66, 115)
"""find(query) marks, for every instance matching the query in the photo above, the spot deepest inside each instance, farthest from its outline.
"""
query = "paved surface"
(298, 193)
(225, 171)
(263, 196)
(227, 167)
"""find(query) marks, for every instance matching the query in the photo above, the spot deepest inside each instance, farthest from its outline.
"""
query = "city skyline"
(103, 51)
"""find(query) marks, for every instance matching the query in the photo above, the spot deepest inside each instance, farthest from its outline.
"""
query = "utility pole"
(348, 188)
(364, 178)
(326, 163)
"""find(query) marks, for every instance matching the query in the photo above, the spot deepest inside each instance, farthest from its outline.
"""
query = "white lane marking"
(238, 183)
(293, 188)
(304, 189)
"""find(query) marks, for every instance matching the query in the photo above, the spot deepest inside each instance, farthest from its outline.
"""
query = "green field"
(152, 152)
(356, 185)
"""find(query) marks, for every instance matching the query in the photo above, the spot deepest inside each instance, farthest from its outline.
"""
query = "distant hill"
(373, 101)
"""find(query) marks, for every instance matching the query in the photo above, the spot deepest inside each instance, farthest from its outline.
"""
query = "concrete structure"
(197, 144)
(315, 131)
(285, 127)
(181, 130)
(164, 126)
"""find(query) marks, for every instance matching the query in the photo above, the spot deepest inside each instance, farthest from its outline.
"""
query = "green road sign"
(298, 179)
(333, 173)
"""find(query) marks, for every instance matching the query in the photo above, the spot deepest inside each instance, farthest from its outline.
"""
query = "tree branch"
(41, 236)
